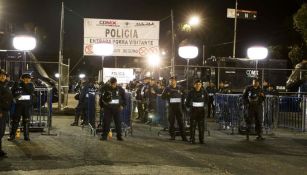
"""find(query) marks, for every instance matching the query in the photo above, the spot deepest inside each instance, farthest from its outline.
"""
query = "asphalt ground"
(75, 151)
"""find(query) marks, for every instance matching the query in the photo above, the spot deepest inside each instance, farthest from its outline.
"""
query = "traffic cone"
(110, 135)
(18, 133)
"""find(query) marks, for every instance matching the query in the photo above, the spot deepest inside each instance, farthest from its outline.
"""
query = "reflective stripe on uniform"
(24, 97)
(114, 101)
(175, 100)
(198, 104)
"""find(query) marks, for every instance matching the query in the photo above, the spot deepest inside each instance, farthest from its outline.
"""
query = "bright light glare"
(81, 76)
(194, 21)
(103, 49)
(188, 52)
(257, 53)
(57, 75)
(151, 116)
(153, 60)
(24, 42)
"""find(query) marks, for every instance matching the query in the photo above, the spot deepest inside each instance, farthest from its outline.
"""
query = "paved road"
(75, 151)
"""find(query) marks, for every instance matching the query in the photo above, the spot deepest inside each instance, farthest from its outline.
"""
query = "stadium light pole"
(103, 49)
(24, 43)
(153, 60)
(187, 51)
(257, 53)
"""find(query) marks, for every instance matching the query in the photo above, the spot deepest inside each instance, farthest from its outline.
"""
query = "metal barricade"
(278, 112)
(41, 116)
(229, 111)
(94, 116)
(292, 112)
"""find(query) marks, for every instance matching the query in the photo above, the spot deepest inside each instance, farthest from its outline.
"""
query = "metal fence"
(94, 116)
(278, 112)
(41, 113)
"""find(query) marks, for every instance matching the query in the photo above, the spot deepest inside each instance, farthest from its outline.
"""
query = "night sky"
(272, 27)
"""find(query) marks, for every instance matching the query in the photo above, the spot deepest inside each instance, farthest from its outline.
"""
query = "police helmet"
(3, 72)
(197, 81)
(173, 78)
(26, 75)
(113, 80)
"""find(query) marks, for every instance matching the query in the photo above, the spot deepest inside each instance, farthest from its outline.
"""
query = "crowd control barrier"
(41, 113)
(229, 111)
(94, 116)
(278, 112)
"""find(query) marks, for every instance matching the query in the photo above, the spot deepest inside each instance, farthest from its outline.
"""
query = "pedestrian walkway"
(75, 151)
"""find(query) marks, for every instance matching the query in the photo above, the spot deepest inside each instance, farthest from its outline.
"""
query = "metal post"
(262, 77)
(173, 46)
(102, 60)
(187, 74)
(235, 32)
(204, 47)
(61, 58)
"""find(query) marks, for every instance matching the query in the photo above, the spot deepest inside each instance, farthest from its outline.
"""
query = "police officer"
(87, 101)
(112, 102)
(253, 98)
(5, 104)
(150, 96)
(23, 93)
(197, 100)
(211, 91)
(140, 98)
(175, 97)
(79, 110)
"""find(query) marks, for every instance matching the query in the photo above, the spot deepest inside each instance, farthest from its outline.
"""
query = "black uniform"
(5, 104)
(197, 101)
(140, 101)
(79, 111)
(111, 101)
(175, 98)
(253, 99)
(211, 92)
(150, 96)
(23, 94)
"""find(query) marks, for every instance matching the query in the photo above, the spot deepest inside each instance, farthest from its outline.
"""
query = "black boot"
(192, 131)
(13, 131)
(26, 127)
(2, 153)
(201, 131)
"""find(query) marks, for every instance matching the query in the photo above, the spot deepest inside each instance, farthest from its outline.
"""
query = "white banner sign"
(122, 75)
(129, 37)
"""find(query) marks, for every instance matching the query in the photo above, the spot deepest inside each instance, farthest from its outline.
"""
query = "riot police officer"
(23, 93)
(140, 98)
(175, 97)
(5, 104)
(112, 102)
(79, 110)
(197, 100)
(253, 97)
(211, 92)
(150, 96)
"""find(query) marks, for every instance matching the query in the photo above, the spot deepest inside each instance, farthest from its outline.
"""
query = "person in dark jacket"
(112, 102)
(140, 98)
(80, 109)
(197, 101)
(5, 104)
(211, 91)
(150, 96)
(175, 97)
(253, 97)
(23, 93)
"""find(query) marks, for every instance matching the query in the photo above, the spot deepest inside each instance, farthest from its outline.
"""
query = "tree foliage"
(300, 21)
(296, 54)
